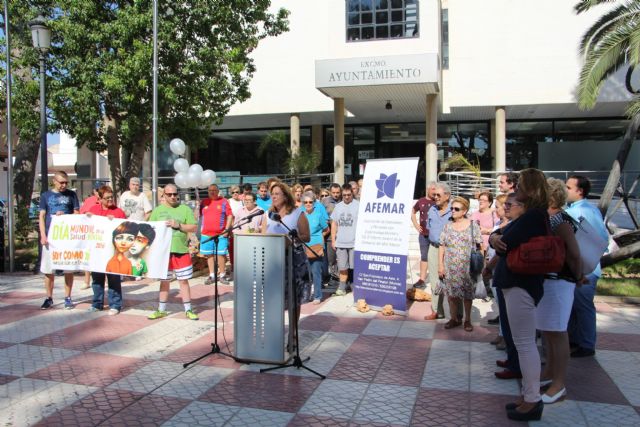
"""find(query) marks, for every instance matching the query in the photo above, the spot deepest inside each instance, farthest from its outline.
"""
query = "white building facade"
(493, 80)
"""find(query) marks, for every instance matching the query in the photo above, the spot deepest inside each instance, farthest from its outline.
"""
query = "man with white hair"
(135, 204)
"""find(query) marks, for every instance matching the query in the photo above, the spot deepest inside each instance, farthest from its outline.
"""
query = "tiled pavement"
(71, 367)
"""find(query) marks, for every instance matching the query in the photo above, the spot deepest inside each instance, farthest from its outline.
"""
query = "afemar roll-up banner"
(382, 233)
(117, 246)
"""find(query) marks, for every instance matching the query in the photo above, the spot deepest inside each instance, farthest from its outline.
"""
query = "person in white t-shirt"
(135, 204)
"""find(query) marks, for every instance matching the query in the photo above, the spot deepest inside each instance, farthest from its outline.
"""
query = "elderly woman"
(235, 201)
(459, 237)
(255, 224)
(485, 217)
(522, 292)
(319, 229)
(554, 309)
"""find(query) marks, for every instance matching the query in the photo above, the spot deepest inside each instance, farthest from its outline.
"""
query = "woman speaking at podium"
(284, 218)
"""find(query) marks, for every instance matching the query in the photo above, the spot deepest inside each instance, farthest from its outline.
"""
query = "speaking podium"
(260, 277)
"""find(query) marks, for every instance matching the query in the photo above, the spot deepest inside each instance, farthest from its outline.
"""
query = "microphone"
(252, 215)
(274, 216)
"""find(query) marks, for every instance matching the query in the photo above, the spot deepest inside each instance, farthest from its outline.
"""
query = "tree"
(611, 43)
(305, 161)
(100, 89)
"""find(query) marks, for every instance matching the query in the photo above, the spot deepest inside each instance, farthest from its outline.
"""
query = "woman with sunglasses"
(459, 237)
(319, 229)
(235, 201)
(522, 292)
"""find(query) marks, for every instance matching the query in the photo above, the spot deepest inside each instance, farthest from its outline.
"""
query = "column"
(338, 140)
(500, 159)
(294, 124)
(431, 138)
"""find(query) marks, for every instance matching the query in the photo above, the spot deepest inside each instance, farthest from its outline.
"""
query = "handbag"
(318, 249)
(592, 245)
(476, 260)
(540, 255)
(481, 290)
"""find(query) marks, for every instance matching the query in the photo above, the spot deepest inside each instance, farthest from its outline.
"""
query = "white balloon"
(177, 146)
(181, 165)
(195, 168)
(181, 180)
(193, 178)
(204, 182)
(208, 177)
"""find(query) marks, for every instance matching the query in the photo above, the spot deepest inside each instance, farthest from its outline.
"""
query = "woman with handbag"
(554, 309)
(319, 229)
(522, 292)
(458, 239)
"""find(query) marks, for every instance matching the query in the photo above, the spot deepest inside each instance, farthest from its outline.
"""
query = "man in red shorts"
(180, 218)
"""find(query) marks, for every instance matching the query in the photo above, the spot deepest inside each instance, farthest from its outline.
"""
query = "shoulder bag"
(476, 261)
(540, 255)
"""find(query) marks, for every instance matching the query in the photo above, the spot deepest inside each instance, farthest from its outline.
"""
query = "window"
(445, 39)
(381, 19)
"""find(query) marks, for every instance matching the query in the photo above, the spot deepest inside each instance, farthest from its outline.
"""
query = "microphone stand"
(294, 312)
(215, 348)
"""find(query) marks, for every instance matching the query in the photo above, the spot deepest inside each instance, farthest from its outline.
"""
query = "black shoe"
(583, 352)
(494, 321)
(533, 415)
(48, 302)
(420, 285)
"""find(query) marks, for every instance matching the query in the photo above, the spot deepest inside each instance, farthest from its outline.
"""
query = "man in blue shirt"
(582, 324)
(263, 200)
(58, 201)
(437, 216)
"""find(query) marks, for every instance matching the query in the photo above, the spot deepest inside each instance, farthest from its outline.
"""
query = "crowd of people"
(528, 205)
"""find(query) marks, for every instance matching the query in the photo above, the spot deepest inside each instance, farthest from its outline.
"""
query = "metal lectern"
(260, 277)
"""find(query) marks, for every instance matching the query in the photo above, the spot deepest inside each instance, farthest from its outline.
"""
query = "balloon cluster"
(189, 176)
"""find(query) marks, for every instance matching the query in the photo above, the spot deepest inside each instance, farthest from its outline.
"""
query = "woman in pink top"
(485, 217)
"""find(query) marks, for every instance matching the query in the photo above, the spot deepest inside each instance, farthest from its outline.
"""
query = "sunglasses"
(235, 192)
(308, 203)
(438, 195)
(509, 204)
(456, 209)
(171, 194)
(324, 195)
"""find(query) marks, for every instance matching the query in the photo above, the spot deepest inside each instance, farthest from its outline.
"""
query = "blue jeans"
(513, 361)
(316, 274)
(582, 323)
(115, 290)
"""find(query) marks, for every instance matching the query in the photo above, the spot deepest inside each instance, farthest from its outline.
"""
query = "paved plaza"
(72, 367)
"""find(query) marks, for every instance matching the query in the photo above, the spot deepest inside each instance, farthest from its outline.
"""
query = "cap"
(97, 185)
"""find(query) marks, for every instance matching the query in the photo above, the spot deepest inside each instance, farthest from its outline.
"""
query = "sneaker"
(157, 315)
(191, 315)
(114, 312)
(93, 309)
(223, 280)
(317, 301)
(48, 302)
(68, 304)
(209, 281)
(340, 293)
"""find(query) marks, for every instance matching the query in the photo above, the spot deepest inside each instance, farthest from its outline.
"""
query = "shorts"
(180, 266)
(345, 258)
(424, 247)
(206, 248)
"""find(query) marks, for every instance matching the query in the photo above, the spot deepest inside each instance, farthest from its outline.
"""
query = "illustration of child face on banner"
(144, 238)
(123, 238)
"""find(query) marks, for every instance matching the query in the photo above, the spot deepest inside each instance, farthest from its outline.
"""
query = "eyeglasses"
(171, 194)
(438, 195)
(456, 209)
(308, 202)
(509, 204)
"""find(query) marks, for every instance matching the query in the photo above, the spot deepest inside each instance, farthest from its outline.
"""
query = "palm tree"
(611, 43)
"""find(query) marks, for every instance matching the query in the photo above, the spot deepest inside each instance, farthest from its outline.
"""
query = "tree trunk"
(618, 165)
(622, 253)
(113, 154)
(23, 175)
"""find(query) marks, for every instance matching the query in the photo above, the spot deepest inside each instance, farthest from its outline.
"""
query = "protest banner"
(382, 232)
(119, 246)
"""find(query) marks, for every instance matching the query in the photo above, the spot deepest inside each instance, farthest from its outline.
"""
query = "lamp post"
(41, 38)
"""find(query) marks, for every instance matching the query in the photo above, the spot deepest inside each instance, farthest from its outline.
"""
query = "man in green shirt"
(180, 218)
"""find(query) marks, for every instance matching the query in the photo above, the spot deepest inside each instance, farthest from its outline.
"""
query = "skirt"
(554, 309)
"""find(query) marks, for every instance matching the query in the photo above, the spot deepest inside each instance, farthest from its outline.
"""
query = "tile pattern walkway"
(71, 367)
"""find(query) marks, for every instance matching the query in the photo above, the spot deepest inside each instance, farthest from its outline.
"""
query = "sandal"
(468, 326)
(452, 324)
